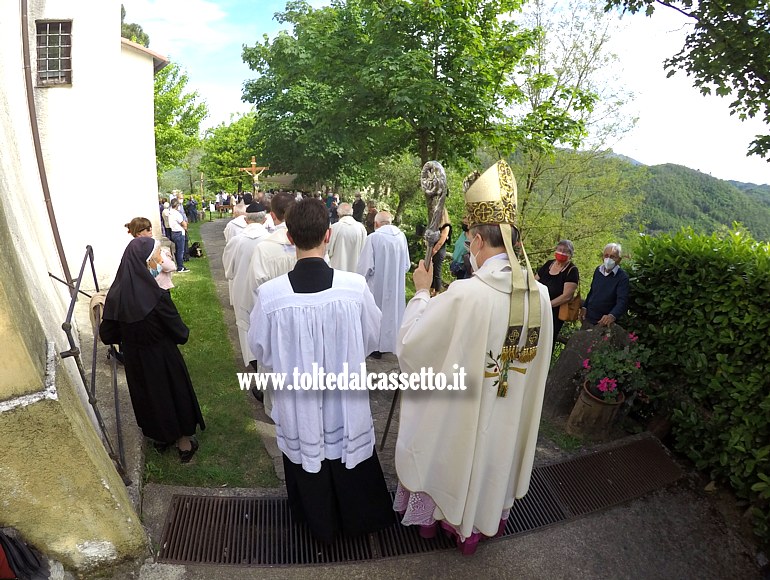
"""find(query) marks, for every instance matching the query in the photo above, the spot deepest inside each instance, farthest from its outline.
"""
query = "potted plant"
(613, 372)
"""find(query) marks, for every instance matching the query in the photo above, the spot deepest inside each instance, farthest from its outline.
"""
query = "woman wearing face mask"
(561, 277)
(608, 299)
(142, 317)
(160, 264)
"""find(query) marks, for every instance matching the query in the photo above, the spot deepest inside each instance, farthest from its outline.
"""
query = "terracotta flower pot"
(592, 417)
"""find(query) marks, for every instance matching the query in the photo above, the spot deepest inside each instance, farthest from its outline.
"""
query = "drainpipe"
(38, 147)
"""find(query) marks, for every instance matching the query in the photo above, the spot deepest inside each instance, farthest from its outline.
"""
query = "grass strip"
(231, 452)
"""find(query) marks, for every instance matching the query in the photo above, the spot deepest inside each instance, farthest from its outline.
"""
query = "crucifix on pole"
(255, 172)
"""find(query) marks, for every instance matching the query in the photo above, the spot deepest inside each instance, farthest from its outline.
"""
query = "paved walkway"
(673, 533)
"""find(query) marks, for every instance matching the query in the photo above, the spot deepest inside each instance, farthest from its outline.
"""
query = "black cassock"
(162, 394)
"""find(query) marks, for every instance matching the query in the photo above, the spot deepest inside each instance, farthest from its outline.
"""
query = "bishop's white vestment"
(472, 452)
(346, 243)
(236, 259)
(384, 263)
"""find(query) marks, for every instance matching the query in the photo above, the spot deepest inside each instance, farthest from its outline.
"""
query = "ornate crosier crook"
(433, 182)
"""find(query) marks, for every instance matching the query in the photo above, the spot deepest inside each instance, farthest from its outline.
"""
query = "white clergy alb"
(293, 331)
(237, 262)
(472, 452)
(384, 263)
(346, 243)
(234, 227)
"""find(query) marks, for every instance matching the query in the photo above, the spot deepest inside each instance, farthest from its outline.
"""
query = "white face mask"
(609, 264)
(474, 263)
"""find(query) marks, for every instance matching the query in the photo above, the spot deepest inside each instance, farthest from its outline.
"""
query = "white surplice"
(384, 263)
(346, 243)
(237, 262)
(292, 331)
(472, 452)
(274, 256)
(235, 227)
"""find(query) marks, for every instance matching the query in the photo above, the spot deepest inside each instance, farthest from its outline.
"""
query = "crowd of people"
(315, 282)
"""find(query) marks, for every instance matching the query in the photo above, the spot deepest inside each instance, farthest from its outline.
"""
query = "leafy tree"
(132, 31)
(178, 116)
(310, 114)
(727, 52)
(587, 197)
(396, 176)
(362, 78)
(226, 148)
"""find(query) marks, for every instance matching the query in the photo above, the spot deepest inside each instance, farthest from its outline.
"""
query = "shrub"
(702, 304)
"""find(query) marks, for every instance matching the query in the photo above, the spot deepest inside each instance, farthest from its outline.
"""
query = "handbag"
(569, 311)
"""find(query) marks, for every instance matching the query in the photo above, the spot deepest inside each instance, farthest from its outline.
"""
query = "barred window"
(54, 52)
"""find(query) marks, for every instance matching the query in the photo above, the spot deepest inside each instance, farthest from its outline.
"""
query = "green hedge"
(702, 303)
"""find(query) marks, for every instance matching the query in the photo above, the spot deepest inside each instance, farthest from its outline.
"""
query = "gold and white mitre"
(490, 199)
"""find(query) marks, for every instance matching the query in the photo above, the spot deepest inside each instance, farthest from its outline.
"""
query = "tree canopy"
(226, 148)
(178, 116)
(132, 31)
(365, 79)
(727, 52)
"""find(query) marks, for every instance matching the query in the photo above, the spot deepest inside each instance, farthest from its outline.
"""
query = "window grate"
(54, 53)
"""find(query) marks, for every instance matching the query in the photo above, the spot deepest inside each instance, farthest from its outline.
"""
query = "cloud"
(175, 26)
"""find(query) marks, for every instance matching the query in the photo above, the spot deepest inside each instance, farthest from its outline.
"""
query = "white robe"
(384, 263)
(237, 262)
(234, 227)
(329, 328)
(273, 257)
(471, 451)
(346, 243)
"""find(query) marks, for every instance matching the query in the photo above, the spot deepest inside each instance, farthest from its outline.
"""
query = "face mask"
(609, 264)
(474, 263)
(155, 271)
(561, 257)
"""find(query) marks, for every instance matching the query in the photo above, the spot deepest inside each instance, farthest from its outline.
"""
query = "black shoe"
(376, 354)
(186, 456)
(258, 394)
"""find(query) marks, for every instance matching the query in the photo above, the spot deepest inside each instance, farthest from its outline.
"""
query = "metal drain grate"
(260, 532)
(600, 480)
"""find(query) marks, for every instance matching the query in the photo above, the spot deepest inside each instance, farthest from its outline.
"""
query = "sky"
(675, 123)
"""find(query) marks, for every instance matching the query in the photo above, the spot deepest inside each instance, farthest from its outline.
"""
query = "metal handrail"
(74, 351)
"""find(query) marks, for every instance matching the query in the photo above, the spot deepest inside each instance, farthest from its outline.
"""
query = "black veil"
(134, 293)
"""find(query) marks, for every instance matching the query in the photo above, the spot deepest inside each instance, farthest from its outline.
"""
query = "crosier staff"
(433, 182)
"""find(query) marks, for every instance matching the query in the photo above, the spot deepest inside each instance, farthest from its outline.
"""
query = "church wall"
(58, 487)
(136, 92)
(98, 136)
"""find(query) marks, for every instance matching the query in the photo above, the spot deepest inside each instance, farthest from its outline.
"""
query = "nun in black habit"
(141, 316)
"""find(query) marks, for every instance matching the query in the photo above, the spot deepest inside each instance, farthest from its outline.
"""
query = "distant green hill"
(677, 196)
(759, 192)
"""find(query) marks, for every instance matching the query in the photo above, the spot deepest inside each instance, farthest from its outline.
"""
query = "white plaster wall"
(22, 197)
(137, 119)
(91, 132)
